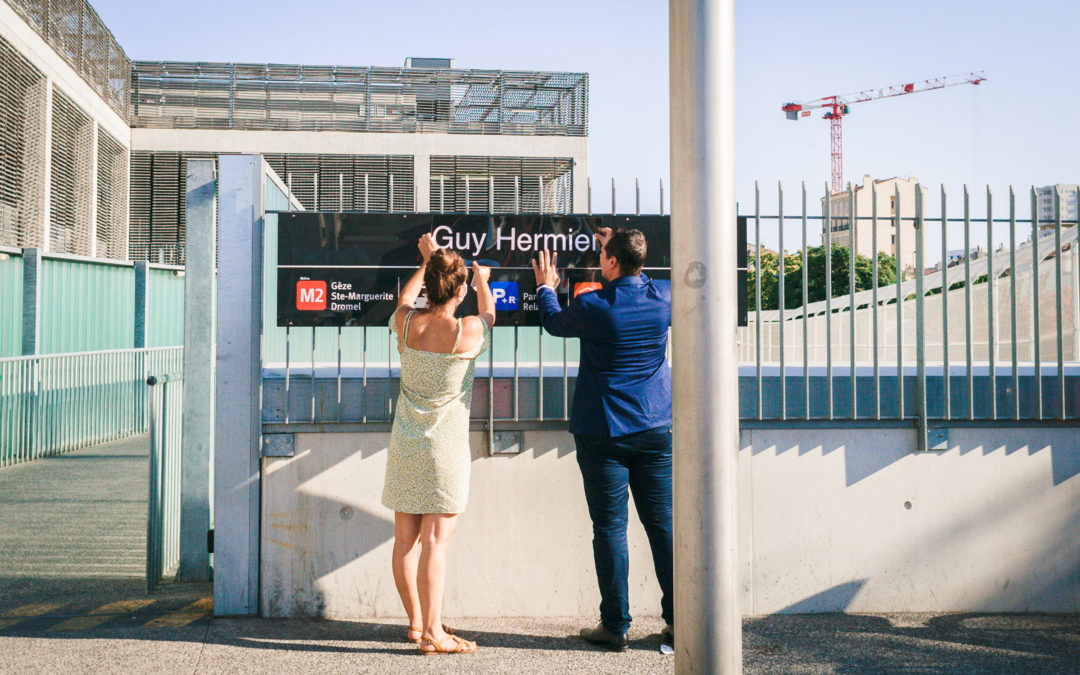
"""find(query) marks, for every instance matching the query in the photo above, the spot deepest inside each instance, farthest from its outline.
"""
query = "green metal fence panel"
(86, 306)
(165, 307)
(11, 291)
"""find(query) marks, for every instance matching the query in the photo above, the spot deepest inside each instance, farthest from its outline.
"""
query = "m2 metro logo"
(310, 295)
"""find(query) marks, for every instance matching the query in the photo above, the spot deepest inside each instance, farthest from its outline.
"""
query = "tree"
(815, 269)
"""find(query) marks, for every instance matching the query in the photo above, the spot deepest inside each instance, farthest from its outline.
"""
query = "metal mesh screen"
(22, 149)
(328, 182)
(112, 187)
(72, 173)
(347, 98)
(461, 184)
(158, 193)
(77, 33)
(348, 182)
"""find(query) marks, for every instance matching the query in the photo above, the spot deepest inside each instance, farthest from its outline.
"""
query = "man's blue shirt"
(624, 380)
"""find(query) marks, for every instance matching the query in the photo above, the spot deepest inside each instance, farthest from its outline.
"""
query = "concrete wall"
(831, 520)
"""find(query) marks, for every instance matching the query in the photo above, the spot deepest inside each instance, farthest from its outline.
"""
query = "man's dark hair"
(628, 247)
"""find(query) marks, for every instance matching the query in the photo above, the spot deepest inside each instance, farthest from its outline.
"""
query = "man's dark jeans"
(642, 462)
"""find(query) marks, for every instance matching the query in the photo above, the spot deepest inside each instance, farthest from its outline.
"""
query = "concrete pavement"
(144, 641)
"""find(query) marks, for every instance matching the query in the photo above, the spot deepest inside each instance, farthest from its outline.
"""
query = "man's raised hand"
(602, 235)
(544, 269)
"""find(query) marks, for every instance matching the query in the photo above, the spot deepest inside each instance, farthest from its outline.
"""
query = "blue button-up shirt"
(624, 380)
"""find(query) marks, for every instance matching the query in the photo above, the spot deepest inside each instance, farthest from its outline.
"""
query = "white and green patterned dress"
(427, 470)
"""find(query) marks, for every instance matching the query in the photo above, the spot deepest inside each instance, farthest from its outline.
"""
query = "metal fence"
(196, 95)
(166, 398)
(75, 31)
(980, 327)
(55, 403)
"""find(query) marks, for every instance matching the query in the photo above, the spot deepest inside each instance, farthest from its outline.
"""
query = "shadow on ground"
(913, 643)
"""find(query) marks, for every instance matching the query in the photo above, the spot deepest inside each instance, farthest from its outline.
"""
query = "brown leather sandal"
(420, 633)
(458, 645)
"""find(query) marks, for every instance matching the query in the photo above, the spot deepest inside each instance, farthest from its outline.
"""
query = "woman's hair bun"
(444, 275)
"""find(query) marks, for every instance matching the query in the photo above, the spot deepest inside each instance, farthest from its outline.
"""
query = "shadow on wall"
(1065, 462)
(835, 599)
(860, 464)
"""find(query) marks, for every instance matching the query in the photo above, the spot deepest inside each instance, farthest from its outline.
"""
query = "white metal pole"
(705, 373)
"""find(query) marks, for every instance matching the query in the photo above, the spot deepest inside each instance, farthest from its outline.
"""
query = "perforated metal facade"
(348, 182)
(347, 98)
(75, 31)
(327, 182)
(112, 192)
(156, 218)
(70, 193)
(22, 149)
(461, 184)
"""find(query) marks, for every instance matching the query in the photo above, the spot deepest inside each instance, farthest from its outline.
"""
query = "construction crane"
(838, 106)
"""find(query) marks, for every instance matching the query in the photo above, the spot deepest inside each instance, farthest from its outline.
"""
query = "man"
(621, 417)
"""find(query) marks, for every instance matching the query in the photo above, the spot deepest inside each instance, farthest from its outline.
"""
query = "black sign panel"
(346, 269)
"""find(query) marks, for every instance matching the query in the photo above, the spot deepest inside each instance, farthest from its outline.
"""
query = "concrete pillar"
(94, 169)
(581, 184)
(422, 182)
(31, 303)
(708, 620)
(238, 385)
(46, 210)
(142, 274)
(198, 416)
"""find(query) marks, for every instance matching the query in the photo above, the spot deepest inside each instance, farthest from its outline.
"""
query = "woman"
(427, 470)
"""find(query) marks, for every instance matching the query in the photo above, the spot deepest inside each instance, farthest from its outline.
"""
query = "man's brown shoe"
(602, 637)
(667, 635)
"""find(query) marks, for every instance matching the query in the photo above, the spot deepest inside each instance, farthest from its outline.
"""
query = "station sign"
(347, 269)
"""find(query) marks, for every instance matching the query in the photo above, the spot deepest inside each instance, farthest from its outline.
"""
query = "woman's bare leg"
(435, 531)
(405, 559)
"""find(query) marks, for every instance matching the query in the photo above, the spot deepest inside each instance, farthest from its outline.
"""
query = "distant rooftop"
(196, 95)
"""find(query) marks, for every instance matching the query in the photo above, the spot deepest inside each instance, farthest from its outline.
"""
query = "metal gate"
(163, 512)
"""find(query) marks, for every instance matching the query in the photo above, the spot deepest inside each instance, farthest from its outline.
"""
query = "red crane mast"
(836, 107)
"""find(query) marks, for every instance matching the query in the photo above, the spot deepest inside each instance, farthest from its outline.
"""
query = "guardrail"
(163, 513)
(50, 404)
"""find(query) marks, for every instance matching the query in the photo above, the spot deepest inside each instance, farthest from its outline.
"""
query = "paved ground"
(72, 600)
(146, 640)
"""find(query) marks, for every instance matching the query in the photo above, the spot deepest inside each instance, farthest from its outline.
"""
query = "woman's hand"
(427, 246)
(480, 274)
(544, 269)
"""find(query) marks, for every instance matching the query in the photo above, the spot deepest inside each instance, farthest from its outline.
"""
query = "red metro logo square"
(310, 295)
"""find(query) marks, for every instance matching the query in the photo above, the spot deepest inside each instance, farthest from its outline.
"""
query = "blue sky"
(1016, 128)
